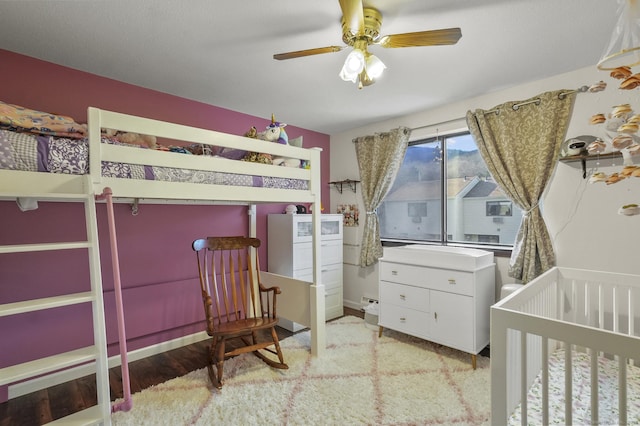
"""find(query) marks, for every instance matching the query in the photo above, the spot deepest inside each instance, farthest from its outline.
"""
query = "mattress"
(581, 404)
(53, 154)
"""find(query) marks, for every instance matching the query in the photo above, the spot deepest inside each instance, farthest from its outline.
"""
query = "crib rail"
(580, 311)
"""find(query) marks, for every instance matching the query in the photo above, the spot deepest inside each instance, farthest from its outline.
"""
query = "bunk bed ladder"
(97, 353)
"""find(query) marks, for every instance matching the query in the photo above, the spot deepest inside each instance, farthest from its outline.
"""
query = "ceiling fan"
(361, 29)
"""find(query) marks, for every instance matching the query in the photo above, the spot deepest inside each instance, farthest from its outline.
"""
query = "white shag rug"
(362, 379)
(608, 413)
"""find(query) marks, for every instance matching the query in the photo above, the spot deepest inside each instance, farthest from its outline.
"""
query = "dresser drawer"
(405, 320)
(330, 252)
(331, 275)
(405, 295)
(438, 279)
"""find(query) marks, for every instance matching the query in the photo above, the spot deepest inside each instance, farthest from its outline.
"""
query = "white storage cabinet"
(291, 254)
(440, 294)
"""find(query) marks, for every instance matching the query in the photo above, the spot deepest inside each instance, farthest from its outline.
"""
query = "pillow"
(296, 141)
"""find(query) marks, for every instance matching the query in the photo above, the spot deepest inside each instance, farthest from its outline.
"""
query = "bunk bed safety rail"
(101, 119)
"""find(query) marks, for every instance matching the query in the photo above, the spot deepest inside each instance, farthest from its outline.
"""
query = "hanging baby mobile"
(619, 126)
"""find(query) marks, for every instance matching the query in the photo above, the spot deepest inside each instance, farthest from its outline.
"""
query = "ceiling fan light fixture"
(353, 65)
(374, 66)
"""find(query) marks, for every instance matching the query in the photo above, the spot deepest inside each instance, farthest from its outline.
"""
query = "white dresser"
(438, 293)
(291, 254)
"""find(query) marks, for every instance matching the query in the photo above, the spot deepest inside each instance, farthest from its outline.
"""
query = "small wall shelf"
(583, 158)
(340, 183)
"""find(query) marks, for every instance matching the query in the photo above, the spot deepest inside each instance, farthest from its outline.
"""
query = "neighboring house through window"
(476, 210)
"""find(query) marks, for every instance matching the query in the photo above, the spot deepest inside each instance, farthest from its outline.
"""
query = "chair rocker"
(236, 304)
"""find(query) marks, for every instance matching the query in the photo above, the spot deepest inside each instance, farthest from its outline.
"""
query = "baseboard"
(33, 385)
(353, 305)
(290, 325)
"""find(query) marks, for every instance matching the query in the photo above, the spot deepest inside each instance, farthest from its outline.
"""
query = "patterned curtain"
(520, 143)
(379, 159)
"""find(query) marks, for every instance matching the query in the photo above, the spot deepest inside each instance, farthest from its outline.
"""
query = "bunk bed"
(157, 175)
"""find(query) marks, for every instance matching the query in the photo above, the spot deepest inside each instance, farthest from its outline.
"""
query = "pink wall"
(161, 296)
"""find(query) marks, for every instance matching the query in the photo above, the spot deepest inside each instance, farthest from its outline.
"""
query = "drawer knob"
(435, 316)
(402, 297)
(394, 272)
(452, 281)
(403, 319)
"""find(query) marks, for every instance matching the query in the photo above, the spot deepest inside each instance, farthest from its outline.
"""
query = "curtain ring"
(515, 107)
(580, 89)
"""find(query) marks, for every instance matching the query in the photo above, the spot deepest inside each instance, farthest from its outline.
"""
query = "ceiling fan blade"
(353, 15)
(308, 52)
(421, 38)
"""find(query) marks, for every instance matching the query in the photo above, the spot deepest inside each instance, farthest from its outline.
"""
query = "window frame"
(445, 237)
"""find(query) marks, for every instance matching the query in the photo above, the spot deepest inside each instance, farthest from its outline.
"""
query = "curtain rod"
(536, 101)
(438, 124)
(429, 125)
(562, 95)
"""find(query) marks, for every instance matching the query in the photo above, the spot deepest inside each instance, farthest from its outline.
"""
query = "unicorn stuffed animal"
(275, 133)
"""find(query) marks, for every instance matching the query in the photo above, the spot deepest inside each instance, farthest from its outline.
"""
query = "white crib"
(572, 325)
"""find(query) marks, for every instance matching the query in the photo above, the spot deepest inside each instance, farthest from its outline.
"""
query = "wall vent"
(366, 301)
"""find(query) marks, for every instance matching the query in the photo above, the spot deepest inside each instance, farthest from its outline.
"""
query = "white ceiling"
(220, 51)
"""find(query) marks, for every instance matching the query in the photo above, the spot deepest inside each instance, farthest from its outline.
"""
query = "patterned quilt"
(42, 153)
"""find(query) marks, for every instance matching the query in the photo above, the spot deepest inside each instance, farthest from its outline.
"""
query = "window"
(417, 209)
(498, 208)
(446, 177)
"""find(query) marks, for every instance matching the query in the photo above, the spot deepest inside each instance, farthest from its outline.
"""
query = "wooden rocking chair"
(236, 304)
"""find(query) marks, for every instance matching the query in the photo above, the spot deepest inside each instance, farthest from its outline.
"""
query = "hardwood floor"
(50, 404)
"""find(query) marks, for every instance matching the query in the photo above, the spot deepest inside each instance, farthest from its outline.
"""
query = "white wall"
(582, 218)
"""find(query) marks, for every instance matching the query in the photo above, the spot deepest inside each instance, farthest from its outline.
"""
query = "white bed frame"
(62, 187)
(591, 311)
